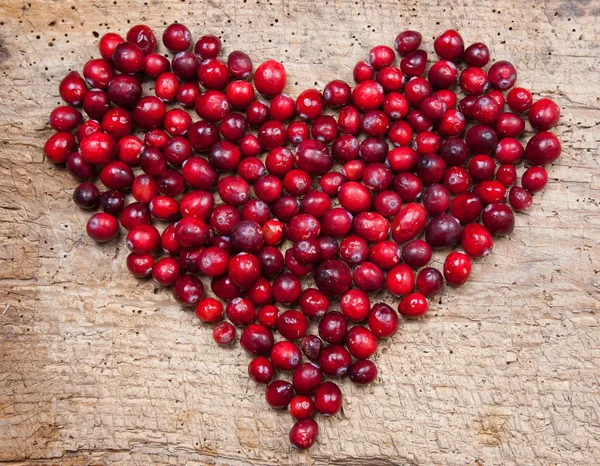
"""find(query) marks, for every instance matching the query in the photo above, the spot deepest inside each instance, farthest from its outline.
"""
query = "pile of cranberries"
(258, 193)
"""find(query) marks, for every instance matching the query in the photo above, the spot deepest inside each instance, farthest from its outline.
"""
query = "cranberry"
(313, 303)
(509, 125)
(361, 342)
(167, 86)
(271, 134)
(282, 107)
(430, 169)
(315, 203)
(355, 305)
(212, 106)
(416, 253)
(97, 102)
(244, 270)
(213, 74)
(177, 38)
(72, 88)
(167, 271)
(177, 121)
(457, 268)
(208, 46)
(140, 265)
(442, 74)
(502, 75)
(542, 148)
(79, 168)
(304, 434)
(407, 41)
(156, 139)
(329, 248)
(207, 310)
(390, 78)
(311, 347)
(188, 290)
(286, 288)
(474, 81)
(213, 261)
(60, 145)
(466, 207)
(481, 139)
(116, 175)
(187, 93)
(155, 65)
(249, 146)
(371, 226)
(429, 281)
(239, 64)
(261, 370)
(336, 94)
(349, 120)
(490, 192)
(309, 104)
(128, 58)
(457, 180)
(112, 202)
(135, 214)
(544, 114)
(387, 203)
(362, 71)
(241, 94)
(413, 64)
(307, 251)
(477, 54)
(186, 66)
(509, 151)
(433, 108)
(269, 78)
(534, 179)
(233, 190)
(297, 131)
(107, 44)
(268, 316)
(334, 360)
(285, 356)
(143, 239)
(301, 407)
(124, 90)
(307, 377)
(498, 97)
(65, 118)
(381, 56)
(395, 105)
(486, 110)
(368, 277)
(382, 321)
(413, 305)
(86, 195)
(324, 129)
(240, 311)
(507, 175)
(256, 339)
(328, 399)
(285, 208)
(271, 261)
(449, 45)
(224, 334)
(409, 223)
(400, 280)
(257, 113)
(295, 267)
(273, 232)
(368, 95)
(498, 219)
(256, 211)
(476, 240)
(96, 149)
(268, 189)
(354, 250)
(519, 99)
(224, 288)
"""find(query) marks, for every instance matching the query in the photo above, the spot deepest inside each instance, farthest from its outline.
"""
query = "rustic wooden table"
(97, 367)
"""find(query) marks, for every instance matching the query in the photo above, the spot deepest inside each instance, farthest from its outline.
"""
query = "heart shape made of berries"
(364, 241)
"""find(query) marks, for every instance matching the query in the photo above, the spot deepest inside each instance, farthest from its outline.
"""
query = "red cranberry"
(509, 151)
(239, 64)
(490, 192)
(476, 240)
(324, 129)
(241, 94)
(268, 316)
(304, 434)
(224, 334)
(474, 81)
(72, 88)
(486, 110)
(188, 290)
(354, 250)
(98, 73)
(187, 93)
(86, 195)
(334, 360)
(387, 203)
(429, 281)
(269, 78)
(313, 303)
(177, 121)
(268, 188)
(395, 105)
(534, 179)
(156, 139)
(390, 78)
(362, 71)
(271, 261)
(261, 292)
(135, 214)
(544, 114)
(436, 199)
(301, 407)
(60, 145)
(442, 74)
(214, 262)
(213, 74)
(408, 186)
(502, 75)
(233, 190)
(282, 107)
(430, 169)
(315, 203)
(261, 370)
(336, 94)
(97, 102)
(79, 168)
(142, 36)
(381, 56)
(382, 321)
(286, 289)
(249, 146)
(256, 339)
(509, 125)
(307, 251)
(208, 46)
(311, 347)
(413, 64)
(333, 278)
(307, 377)
(107, 44)
(125, 90)
(116, 175)
(65, 118)
(477, 54)
(349, 120)
(295, 267)
(256, 211)
(257, 113)
(498, 219)
(400, 280)
(371, 226)
(177, 38)
(457, 180)
(209, 309)
(244, 270)
(466, 207)
(185, 66)
(407, 41)
(309, 104)
(166, 271)
(329, 248)
(128, 58)
(363, 372)
(457, 268)
(112, 202)
(273, 232)
(292, 325)
(361, 342)
(449, 45)
(149, 113)
(507, 175)
(285, 356)
(409, 223)
(413, 305)
(212, 106)
(542, 148)
(416, 253)
(96, 149)
(385, 254)
(240, 311)
(297, 131)
(167, 86)
(285, 208)
(368, 277)
(155, 65)
(368, 95)
(354, 197)
(271, 134)
(328, 399)
(224, 288)
(519, 99)
(140, 265)
(355, 305)
(333, 327)
(481, 139)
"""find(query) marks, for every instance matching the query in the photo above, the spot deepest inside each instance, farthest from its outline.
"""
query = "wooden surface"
(97, 367)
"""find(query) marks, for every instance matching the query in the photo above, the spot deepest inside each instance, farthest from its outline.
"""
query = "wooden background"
(97, 367)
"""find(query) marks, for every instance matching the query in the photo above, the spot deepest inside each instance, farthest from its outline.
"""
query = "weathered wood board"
(97, 367)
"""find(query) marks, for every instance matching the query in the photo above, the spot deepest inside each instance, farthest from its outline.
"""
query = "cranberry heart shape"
(435, 158)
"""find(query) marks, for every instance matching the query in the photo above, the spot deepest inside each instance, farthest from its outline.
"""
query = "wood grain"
(97, 367)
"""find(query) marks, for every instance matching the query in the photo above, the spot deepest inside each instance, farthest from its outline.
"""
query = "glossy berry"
(304, 434)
